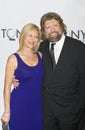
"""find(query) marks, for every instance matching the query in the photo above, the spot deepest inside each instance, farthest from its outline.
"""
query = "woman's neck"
(26, 52)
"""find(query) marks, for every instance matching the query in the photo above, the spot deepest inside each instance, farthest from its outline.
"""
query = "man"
(64, 85)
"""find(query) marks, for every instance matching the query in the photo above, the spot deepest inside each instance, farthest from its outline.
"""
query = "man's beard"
(55, 38)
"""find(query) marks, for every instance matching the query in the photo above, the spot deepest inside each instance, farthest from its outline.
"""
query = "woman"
(23, 106)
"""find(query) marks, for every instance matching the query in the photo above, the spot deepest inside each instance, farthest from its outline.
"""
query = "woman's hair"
(49, 16)
(28, 28)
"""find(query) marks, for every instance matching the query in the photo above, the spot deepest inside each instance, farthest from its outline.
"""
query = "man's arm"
(81, 66)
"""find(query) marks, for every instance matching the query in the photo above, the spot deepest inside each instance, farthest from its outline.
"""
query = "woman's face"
(31, 39)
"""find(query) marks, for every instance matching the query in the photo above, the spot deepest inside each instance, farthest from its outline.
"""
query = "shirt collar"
(60, 42)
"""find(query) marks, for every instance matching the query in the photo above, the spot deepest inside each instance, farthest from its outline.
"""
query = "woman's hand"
(5, 117)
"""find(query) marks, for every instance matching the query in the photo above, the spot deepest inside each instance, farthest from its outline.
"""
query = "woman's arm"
(9, 73)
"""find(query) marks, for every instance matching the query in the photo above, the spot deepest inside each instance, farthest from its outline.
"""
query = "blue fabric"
(26, 100)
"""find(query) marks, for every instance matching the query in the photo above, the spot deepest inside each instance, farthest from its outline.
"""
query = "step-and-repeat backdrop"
(14, 14)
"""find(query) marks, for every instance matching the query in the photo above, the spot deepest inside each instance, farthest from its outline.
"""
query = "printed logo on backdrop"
(13, 34)
(79, 34)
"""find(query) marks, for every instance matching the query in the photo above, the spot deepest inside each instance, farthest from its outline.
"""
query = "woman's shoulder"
(11, 59)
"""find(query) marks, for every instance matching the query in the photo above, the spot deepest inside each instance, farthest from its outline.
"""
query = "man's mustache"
(54, 32)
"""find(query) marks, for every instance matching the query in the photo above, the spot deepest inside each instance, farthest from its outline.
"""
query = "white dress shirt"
(58, 47)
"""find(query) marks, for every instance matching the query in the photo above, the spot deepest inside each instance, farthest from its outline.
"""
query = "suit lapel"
(64, 52)
(62, 57)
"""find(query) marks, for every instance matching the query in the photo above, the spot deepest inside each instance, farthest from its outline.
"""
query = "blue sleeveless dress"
(26, 100)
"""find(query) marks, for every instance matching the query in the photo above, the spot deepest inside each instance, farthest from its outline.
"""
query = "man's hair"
(49, 16)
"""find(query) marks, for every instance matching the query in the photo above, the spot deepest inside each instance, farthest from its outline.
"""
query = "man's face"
(52, 30)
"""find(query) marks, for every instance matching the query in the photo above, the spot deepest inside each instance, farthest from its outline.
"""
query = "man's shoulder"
(43, 45)
(75, 41)
(76, 45)
(44, 41)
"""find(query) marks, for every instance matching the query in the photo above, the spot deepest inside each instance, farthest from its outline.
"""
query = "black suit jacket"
(64, 88)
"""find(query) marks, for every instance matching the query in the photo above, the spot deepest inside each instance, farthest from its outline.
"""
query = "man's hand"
(15, 82)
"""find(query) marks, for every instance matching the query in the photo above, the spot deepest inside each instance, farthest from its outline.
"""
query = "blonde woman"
(23, 106)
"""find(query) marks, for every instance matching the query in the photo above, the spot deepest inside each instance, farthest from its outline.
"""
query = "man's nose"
(52, 29)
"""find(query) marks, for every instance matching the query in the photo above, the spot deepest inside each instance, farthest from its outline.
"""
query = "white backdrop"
(14, 14)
